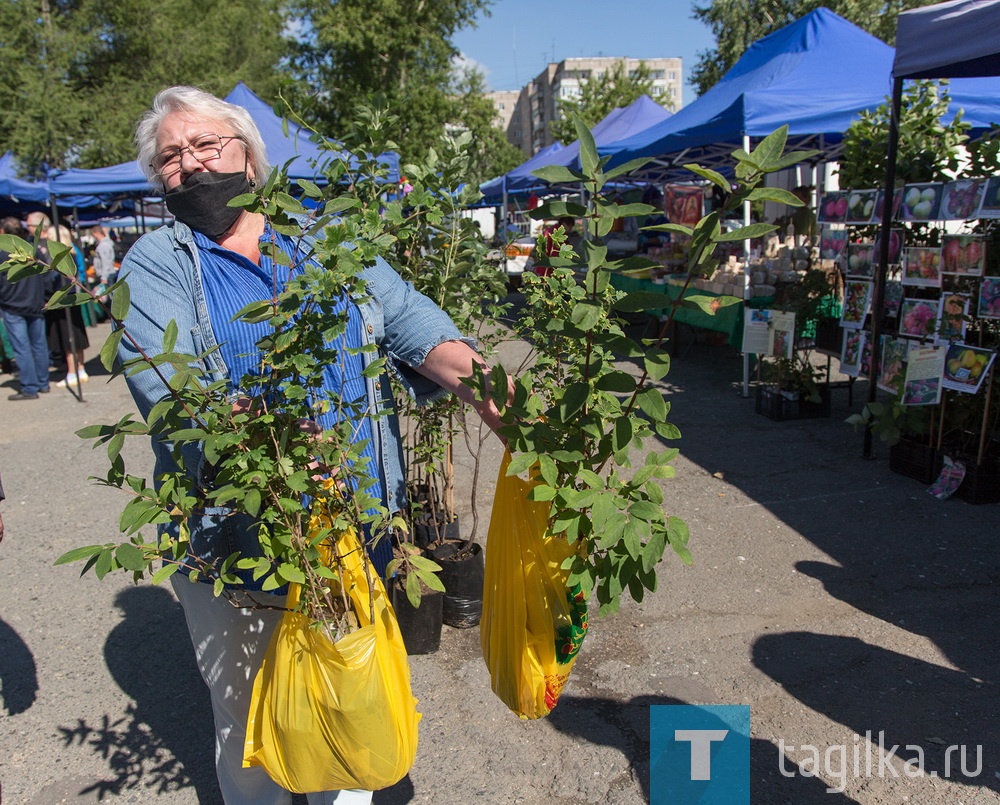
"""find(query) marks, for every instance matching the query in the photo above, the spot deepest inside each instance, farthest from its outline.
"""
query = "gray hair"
(203, 104)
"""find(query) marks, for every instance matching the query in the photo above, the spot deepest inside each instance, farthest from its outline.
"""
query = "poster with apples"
(832, 242)
(953, 308)
(989, 298)
(961, 198)
(832, 208)
(966, 367)
(922, 266)
(918, 318)
(860, 206)
(895, 246)
(990, 205)
(860, 258)
(963, 254)
(921, 202)
(897, 200)
(851, 351)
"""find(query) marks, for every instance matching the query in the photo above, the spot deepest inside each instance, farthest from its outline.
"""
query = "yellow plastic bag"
(326, 716)
(533, 624)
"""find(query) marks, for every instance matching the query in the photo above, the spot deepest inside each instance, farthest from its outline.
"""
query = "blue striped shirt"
(231, 282)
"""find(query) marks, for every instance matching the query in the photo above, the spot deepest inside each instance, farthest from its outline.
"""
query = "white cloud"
(462, 63)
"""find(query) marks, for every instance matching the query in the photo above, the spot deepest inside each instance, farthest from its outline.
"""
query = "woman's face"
(180, 129)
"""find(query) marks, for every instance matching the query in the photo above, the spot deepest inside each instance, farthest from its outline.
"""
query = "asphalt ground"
(834, 597)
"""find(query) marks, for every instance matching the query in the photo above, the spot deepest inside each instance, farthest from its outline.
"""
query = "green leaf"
(640, 301)
(657, 363)
(573, 400)
(651, 403)
(713, 176)
(769, 150)
(588, 147)
(621, 382)
(121, 301)
(646, 511)
(557, 174)
(291, 573)
(170, 336)
(109, 351)
(252, 502)
(77, 554)
(130, 557)
(541, 492)
(711, 304)
(776, 194)
(520, 462)
(746, 232)
(585, 315)
(164, 573)
(622, 433)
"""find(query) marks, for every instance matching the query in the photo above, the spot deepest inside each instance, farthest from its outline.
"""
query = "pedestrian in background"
(21, 307)
(59, 324)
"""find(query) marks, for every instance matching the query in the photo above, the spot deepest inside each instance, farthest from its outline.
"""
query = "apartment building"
(527, 114)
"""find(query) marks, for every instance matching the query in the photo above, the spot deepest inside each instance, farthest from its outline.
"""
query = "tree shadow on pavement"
(625, 727)
(919, 707)
(164, 741)
(18, 673)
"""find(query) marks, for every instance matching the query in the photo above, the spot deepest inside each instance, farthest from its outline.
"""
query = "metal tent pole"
(746, 280)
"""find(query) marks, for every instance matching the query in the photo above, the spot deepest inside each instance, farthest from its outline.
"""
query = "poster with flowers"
(965, 367)
(922, 266)
(782, 334)
(857, 301)
(892, 363)
(924, 368)
(953, 308)
(960, 199)
(832, 242)
(989, 298)
(866, 357)
(962, 254)
(851, 351)
(859, 260)
(918, 318)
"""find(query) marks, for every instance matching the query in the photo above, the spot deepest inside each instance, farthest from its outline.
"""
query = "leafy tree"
(357, 48)
(599, 96)
(79, 74)
(737, 24)
(928, 147)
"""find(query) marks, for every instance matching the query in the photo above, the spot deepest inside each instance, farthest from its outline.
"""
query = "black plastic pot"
(462, 573)
(419, 626)
(424, 533)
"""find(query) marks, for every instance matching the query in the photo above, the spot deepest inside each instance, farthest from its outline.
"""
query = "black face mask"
(200, 202)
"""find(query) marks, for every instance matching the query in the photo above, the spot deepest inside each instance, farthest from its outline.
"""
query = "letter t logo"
(701, 749)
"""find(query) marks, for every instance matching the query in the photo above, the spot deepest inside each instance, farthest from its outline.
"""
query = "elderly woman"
(198, 271)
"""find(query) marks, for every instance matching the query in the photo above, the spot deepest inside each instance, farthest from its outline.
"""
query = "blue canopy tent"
(518, 181)
(619, 124)
(127, 179)
(815, 75)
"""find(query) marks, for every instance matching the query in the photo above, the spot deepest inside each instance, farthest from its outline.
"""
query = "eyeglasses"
(205, 147)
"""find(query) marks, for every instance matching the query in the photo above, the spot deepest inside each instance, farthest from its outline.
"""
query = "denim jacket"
(164, 277)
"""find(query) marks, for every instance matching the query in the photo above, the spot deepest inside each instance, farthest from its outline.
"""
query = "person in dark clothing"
(21, 307)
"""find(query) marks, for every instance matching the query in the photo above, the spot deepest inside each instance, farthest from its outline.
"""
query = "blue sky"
(520, 37)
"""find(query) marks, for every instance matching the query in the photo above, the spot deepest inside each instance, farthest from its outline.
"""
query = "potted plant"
(443, 254)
